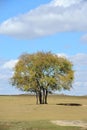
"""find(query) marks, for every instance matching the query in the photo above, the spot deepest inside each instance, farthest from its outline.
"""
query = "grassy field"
(17, 112)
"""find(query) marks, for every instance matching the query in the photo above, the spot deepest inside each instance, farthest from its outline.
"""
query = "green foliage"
(42, 72)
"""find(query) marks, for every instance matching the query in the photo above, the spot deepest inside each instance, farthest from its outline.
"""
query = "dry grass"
(23, 108)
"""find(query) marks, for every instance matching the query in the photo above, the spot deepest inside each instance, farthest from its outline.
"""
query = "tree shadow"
(69, 104)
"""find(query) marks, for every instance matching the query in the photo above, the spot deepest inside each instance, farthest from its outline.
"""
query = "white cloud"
(64, 3)
(10, 64)
(62, 55)
(56, 16)
(80, 66)
(3, 76)
(6, 72)
(80, 77)
(79, 59)
(84, 38)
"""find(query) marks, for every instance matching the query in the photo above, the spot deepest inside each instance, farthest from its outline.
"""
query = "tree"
(42, 73)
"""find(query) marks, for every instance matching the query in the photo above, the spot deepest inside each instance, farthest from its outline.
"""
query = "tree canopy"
(41, 73)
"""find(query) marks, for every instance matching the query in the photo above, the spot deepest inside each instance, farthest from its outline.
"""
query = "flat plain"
(23, 108)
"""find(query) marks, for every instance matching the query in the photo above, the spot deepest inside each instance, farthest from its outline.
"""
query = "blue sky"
(59, 26)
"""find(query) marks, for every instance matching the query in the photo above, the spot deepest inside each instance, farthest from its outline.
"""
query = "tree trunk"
(37, 97)
(40, 97)
(43, 96)
(46, 94)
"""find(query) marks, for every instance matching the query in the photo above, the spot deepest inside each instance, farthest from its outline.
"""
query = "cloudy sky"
(59, 26)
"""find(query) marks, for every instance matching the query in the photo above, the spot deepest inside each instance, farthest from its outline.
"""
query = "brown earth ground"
(24, 108)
